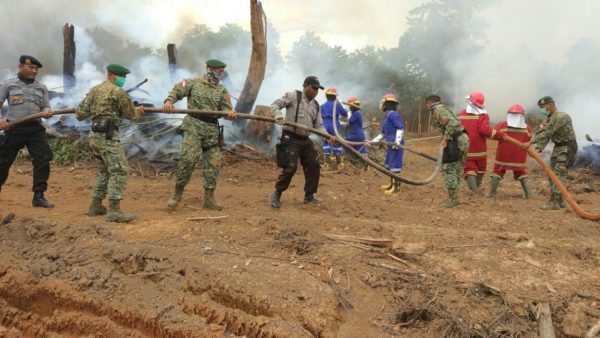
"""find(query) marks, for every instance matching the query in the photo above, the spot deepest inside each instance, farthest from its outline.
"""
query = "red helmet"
(354, 101)
(477, 99)
(331, 91)
(516, 109)
(390, 98)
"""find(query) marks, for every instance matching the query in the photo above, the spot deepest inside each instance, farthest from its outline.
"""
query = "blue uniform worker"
(327, 111)
(392, 131)
(355, 123)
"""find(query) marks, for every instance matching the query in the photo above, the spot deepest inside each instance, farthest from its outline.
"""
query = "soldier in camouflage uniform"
(455, 143)
(106, 104)
(560, 130)
(200, 133)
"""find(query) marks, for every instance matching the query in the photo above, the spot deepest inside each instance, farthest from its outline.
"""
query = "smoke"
(533, 49)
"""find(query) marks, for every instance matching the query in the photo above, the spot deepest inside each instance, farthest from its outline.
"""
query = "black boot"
(309, 198)
(40, 202)
(276, 200)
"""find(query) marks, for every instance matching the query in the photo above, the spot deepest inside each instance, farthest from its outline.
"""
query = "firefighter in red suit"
(508, 155)
(476, 122)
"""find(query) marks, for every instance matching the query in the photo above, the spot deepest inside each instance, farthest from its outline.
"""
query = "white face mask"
(472, 109)
(516, 120)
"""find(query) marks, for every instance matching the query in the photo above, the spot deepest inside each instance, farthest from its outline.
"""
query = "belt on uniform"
(294, 135)
(212, 120)
(562, 144)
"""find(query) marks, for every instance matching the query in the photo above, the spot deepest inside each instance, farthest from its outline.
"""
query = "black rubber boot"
(479, 180)
(472, 184)
(526, 188)
(276, 200)
(309, 198)
(494, 186)
(39, 201)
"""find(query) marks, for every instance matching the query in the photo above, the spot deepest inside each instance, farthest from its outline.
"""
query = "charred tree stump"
(260, 131)
(69, 57)
(172, 55)
(258, 60)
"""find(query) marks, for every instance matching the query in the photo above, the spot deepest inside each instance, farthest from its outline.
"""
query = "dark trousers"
(33, 136)
(303, 149)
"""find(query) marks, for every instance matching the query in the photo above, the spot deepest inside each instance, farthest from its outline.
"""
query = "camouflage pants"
(453, 171)
(200, 142)
(112, 165)
(558, 163)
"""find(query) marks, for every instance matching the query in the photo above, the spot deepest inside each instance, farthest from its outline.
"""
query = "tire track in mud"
(50, 307)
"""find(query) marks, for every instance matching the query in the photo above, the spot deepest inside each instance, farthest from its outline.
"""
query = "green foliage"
(67, 151)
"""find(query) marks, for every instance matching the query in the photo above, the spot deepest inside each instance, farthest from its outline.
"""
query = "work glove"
(398, 140)
(377, 138)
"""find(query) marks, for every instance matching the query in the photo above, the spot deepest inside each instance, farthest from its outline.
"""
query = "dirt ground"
(478, 270)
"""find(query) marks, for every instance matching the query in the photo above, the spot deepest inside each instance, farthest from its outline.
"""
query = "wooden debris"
(206, 217)
(594, 330)
(376, 242)
(545, 321)
(7, 219)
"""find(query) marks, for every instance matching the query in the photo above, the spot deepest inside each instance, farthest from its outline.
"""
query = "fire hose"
(567, 196)
(321, 133)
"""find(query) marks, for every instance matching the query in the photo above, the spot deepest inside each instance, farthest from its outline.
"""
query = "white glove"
(377, 138)
(399, 134)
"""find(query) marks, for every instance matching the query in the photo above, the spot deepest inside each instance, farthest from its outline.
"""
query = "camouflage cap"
(544, 100)
(29, 60)
(214, 63)
(117, 69)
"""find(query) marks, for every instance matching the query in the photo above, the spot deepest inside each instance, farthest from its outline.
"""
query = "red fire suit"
(508, 155)
(478, 128)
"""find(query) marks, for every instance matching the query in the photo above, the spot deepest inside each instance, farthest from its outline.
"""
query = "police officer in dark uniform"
(26, 96)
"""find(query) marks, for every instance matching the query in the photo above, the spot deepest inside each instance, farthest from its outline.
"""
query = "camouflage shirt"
(445, 119)
(23, 99)
(200, 95)
(107, 100)
(559, 129)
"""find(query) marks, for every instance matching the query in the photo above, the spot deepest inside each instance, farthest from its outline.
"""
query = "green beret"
(117, 69)
(214, 63)
(544, 100)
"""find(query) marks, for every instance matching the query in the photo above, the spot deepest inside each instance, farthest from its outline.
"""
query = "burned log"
(172, 55)
(68, 57)
(258, 59)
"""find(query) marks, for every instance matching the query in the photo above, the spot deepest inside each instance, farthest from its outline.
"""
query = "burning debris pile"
(589, 156)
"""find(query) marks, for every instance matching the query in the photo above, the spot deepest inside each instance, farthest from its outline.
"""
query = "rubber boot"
(326, 161)
(339, 161)
(452, 200)
(276, 200)
(472, 184)
(309, 198)
(552, 204)
(526, 188)
(96, 208)
(39, 201)
(209, 200)
(494, 186)
(172, 203)
(388, 186)
(479, 180)
(115, 214)
(394, 189)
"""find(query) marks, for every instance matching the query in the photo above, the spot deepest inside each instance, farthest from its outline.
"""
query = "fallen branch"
(208, 250)
(377, 242)
(206, 217)
(594, 330)
(145, 274)
(466, 246)
(545, 321)
(7, 219)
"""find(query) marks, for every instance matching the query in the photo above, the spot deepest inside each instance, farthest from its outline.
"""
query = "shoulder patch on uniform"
(183, 83)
